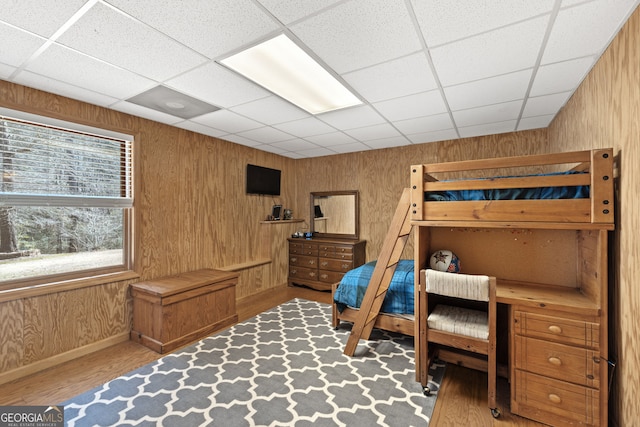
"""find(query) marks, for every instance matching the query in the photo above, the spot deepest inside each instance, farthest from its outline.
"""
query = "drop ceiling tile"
(200, 128)
(547, 104)
(585, 29)
(538, 122)
(316, 152)
(293, 155)
(561, 76)
(403, 76)
(368, 133)
(295, 145)
(288, 11)
(493, 90)
(348, 37)
(237, 139)
(350, 148)
(396, 141)
(6, 71)
(24, 45)
(109, 35)
(47, 84)
(351, 118)
(212, 28)
(305, 127)
(147, 113)
(40, 17)
(270, 110)
(439, 135)
(501, 51)
(331, 139)
(275, 150)
(217, 85)
(488, 114)
(487, 129)
(80, 70)
(227, 121)
(265, 135)
(411, 106)
(443, 21)
(424, 124)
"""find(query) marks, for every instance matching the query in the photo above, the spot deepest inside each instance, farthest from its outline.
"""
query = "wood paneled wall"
(605, 112)
(191, 212)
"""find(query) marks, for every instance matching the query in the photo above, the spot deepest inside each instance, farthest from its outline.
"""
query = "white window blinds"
(45, 165)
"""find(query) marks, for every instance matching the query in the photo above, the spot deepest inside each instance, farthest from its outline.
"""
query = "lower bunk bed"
(397, 313)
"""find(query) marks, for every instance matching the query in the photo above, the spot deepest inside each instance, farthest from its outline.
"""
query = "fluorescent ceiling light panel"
(281, 66)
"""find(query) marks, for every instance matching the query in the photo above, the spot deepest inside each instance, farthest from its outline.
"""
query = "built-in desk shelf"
(544, 296)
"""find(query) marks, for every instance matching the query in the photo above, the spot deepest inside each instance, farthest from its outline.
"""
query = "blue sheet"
(570, 192)
(400, 295)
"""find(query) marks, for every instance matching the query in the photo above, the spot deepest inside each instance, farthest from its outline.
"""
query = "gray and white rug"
(284, 367)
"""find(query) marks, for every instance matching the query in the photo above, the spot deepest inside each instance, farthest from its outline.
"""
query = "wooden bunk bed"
(539, 225)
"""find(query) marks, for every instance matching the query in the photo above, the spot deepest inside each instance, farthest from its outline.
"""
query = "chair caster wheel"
(495, 412)
(426, 391)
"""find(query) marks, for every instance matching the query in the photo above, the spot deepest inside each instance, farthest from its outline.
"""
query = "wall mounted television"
(262, 180)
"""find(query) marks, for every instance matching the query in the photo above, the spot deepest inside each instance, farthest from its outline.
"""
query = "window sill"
(29, 291)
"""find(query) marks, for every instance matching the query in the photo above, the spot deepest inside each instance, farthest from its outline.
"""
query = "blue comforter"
(400, 295)
(570, 192)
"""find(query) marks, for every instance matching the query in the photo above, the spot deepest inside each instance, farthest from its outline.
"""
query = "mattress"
(400, 295)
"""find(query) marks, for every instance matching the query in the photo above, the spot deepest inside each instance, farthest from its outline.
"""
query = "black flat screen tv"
(261, 180)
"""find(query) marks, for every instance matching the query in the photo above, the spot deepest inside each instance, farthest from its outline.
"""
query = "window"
(65, 200)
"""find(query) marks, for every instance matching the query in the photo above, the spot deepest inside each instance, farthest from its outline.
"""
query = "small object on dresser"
(445, 260)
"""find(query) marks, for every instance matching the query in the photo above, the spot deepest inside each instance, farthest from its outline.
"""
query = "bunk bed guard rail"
(590, 171)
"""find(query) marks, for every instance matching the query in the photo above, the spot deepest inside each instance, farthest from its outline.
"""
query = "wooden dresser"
(318, 263)
(173, 311)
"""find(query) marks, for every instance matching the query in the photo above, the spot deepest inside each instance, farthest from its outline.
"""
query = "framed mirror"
(334, 214)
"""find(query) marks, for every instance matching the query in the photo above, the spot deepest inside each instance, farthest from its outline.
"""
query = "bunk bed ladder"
(390, 254)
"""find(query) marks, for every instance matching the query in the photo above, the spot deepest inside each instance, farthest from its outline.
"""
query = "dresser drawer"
(574, 364)
(556, 402)
(335, 264)
(323, 249)
(303, 261)
(327, 276)
(303, 273)
(348, 255)
(567, 331)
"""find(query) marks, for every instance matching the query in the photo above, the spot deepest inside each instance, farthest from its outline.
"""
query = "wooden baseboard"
(58, 359)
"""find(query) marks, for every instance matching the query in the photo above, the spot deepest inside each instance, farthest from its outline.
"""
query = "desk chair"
(461, 315)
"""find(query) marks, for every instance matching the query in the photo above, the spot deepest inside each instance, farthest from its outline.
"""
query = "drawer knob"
(555, 329)
(555, 398)
(555, 361)
(324, 276)
(294, 259)
(324, 263)
(346, 266)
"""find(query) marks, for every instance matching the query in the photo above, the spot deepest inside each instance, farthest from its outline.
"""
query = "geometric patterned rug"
(284, 367)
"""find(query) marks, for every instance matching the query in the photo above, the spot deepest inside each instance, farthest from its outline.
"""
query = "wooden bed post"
(390, 254)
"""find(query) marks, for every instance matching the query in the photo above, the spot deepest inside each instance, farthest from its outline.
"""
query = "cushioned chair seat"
(459, 320)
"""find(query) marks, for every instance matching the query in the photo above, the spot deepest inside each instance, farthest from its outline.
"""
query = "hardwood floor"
(461, 401)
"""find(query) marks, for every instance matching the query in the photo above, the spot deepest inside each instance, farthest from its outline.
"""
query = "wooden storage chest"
(173, 311)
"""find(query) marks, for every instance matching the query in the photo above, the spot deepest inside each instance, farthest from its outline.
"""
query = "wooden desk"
(173, 311)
